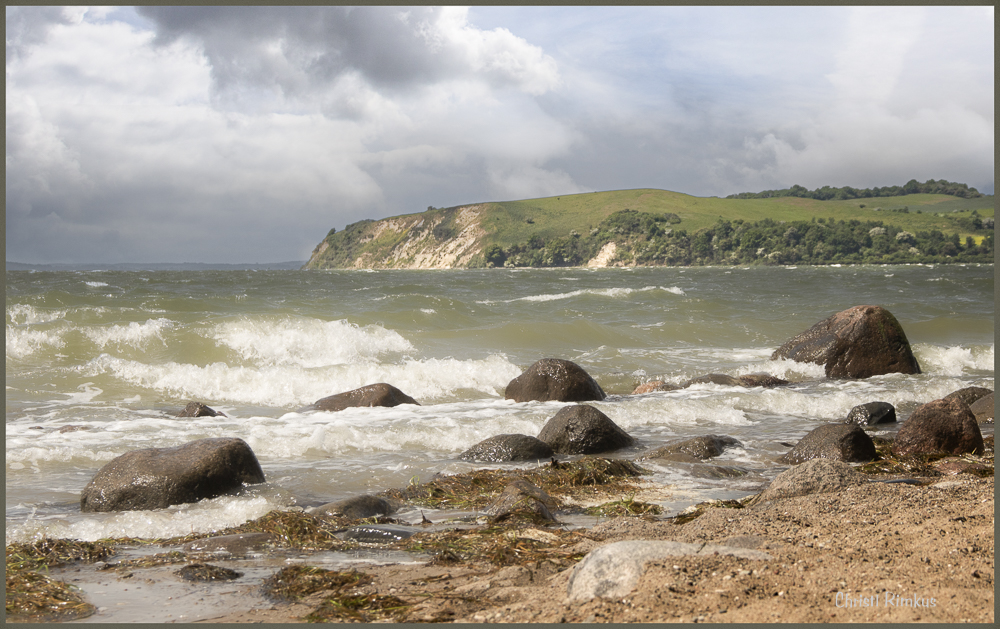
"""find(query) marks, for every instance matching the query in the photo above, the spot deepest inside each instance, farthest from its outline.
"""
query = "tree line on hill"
(827, 193)
(648, 239)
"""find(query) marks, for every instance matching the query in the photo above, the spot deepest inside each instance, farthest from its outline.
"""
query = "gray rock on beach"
(511, 447)
(859, 342)
(583, 429)
(379, 394)
(554, 379)
(156, 478)
(612, 571)
(839, 442)
(521, 496)
(872, 413)
(944, 425)
(815, 476)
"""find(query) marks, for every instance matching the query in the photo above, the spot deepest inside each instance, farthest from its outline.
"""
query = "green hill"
(650, 227)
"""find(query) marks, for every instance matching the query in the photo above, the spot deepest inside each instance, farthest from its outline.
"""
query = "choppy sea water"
(117, 354)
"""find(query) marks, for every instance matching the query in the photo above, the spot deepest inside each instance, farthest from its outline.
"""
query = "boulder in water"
(859, 342)
(839, 442)
(583, 430)
(554, 379)
(704, 447)
(197, 409)
(156, 478)
(872, 413)
(503, 448)
(379, 394)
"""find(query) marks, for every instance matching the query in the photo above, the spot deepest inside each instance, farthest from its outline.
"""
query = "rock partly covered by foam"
(859, 342)
(379, 394)
(940, 426)
(197, 409)
(156, 478)
(583, 430)
(839, 442)
(554, 379)
(512, 447)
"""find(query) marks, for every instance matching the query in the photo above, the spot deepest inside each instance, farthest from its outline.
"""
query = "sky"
(243, 134)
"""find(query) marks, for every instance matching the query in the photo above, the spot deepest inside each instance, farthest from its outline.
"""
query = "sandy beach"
(875, 551)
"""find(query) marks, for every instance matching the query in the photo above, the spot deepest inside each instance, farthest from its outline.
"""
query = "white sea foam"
(134, 334)
(26, 314)
(614, 293)
(954, 360)
(23, 343)
(308, 342)
(286, 386)
(204, 516)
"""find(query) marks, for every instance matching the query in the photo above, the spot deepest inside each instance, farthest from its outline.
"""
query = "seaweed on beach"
(627, 506)
(476, 490)
(919, 464)
(35, 597)
(697, 510)
(290, 529)
(343, 599)
(499, 546)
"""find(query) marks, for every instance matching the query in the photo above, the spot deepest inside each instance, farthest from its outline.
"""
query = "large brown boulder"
(380, 394)
(554, 379)
(583, 430)
(512, 447)
(940, 426)
(838, 442)
(859, 342)
(155, 478)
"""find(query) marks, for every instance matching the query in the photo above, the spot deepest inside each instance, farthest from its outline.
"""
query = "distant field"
(558, 216)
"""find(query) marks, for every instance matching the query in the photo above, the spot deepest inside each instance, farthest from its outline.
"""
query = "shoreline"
(876, 541)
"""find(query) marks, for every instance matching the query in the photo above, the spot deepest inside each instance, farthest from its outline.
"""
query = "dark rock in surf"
(765, 380)
(380, 394)
(197, 409)
(583, 430)
(554, 379)
(969, 395)
(523, 498)
(859, 342)
(654, 385)
(508, 448)
(156, 478)
(872, 413)
(704, 447)
(983, 409)
(714, 378)
(359, 507)
(838, 442)
(749, 380)
(940, 426)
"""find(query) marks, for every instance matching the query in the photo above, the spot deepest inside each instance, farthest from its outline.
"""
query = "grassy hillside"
(417, 240)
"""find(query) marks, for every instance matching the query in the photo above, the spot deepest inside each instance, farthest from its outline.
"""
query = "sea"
(98, 363)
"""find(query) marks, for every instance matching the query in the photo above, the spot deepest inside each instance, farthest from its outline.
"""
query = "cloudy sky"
(241, 135)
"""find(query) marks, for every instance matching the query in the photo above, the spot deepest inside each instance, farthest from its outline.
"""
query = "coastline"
(914, 552)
